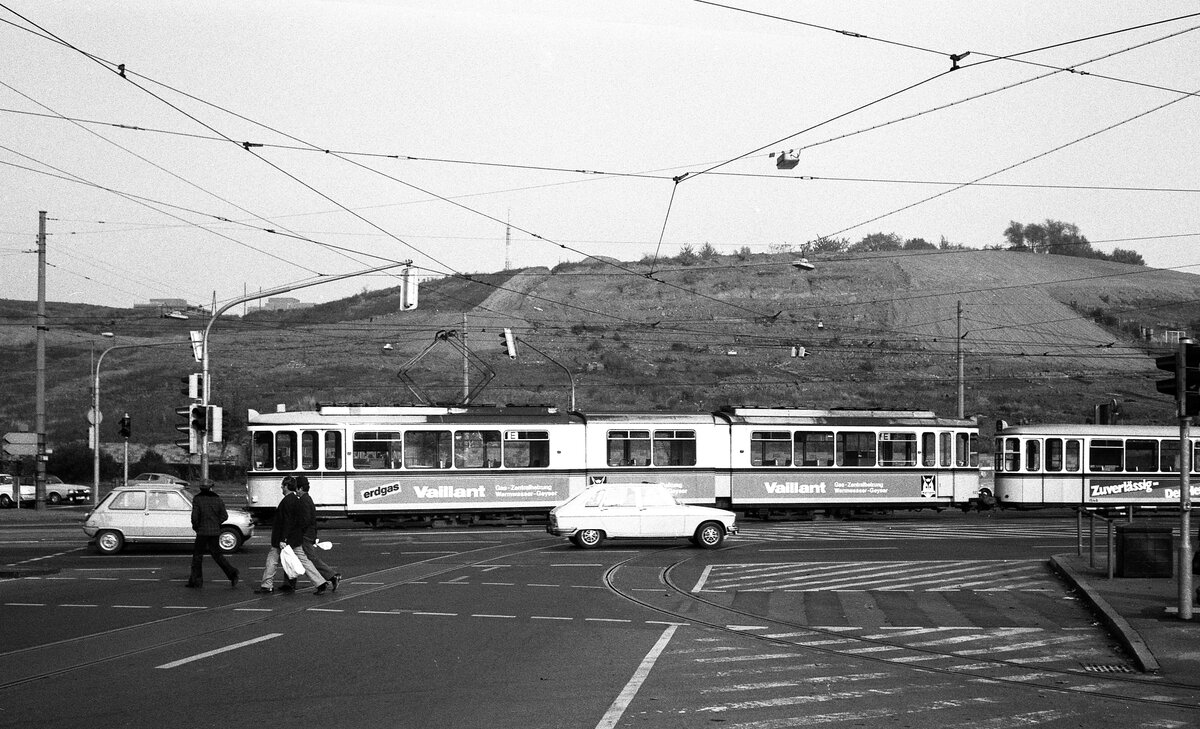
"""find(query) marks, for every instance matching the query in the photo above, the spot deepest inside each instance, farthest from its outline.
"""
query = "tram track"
(682, 605)
(70, 655)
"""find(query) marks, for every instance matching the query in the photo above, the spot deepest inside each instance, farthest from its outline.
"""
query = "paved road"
(793, 624)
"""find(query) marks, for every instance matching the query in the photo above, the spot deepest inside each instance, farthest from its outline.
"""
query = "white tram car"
(1102, 466)
(369, 462)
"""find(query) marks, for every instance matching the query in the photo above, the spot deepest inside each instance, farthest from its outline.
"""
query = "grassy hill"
(1043, 339)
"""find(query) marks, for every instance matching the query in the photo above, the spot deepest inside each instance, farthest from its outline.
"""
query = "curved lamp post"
(96, 408)
(204, 394)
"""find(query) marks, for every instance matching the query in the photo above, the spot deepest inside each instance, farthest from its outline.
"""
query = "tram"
(372, 462)
(1091, 466)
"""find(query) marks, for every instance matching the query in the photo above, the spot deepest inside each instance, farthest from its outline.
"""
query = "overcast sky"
(415, 130)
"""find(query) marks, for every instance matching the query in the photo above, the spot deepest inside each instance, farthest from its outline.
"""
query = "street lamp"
(96, 416)
(207, 385)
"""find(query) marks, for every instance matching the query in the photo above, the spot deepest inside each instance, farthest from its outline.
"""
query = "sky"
(206, 150)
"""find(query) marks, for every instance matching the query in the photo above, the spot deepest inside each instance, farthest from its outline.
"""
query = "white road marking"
(208, 654)
(617, 709)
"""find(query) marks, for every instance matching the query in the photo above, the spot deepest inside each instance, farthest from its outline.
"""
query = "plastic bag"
(292, 566)
(323, 545)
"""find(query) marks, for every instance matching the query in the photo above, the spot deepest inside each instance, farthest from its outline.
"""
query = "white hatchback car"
(637, 510)
(156, 514)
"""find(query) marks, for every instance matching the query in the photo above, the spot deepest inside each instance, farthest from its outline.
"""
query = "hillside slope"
(1044, 338)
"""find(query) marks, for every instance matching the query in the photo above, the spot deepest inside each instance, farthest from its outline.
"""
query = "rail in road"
(975, 669)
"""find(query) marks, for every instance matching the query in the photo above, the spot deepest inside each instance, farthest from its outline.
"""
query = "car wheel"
(5, 501)
(229, 540)
(589, 538)
(110, 542)
(53, 499)
(709, 535)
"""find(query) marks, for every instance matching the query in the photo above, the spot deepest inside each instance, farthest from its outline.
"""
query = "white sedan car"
(637, 510)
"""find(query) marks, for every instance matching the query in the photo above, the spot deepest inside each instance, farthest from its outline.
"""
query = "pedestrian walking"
(208, 514)
(332, 576)
(288, 528)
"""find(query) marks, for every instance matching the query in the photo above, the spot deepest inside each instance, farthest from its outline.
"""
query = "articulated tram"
(369, 462)
(1091, 466)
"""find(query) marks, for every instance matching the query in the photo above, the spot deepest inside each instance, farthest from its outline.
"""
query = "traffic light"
(1185, 373)
(192, 443)
(214, 423)
(199, 419)
(125, 426)
(195, 386)
(510, 343)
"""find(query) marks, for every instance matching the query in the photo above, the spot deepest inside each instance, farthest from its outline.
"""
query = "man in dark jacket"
(332, 576)
(291, 520)
(208, 514)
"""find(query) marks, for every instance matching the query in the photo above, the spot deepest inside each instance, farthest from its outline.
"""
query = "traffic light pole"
(206, 390)
(1185, 484)
(99, 417)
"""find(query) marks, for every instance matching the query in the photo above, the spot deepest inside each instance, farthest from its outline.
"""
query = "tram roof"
(651, 417)
(839, 416)
(370, 414)
(1089, 429)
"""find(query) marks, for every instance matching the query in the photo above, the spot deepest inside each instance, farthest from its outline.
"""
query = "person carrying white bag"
(288, 530)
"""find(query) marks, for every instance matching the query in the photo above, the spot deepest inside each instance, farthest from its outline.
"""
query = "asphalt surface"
(1142, 613)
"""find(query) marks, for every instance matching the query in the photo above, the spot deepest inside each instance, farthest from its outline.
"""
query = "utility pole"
(959, 356)
(40, 386)
(507, 242)
(466, 377)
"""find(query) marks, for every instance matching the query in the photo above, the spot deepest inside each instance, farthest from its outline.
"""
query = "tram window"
(264, 450)
(1054, 454)
(814, 449)
(285, 451)
(1141, 455)
(770, 448)
(897, 449)
(1073, 456)
(427, 449)
(929, 449)
(526, 449)
(378, 449)
(1168, 456)
(309, 448)
(966, 450)
(629, 448)
(333, 450)
(477, 449)
(1033, 456)
(856, 449)
(946, 449)
(674, 447)
(1105, 454)
(1011, 460)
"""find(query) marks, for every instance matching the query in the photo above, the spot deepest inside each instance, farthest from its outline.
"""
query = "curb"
(1120, 627)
